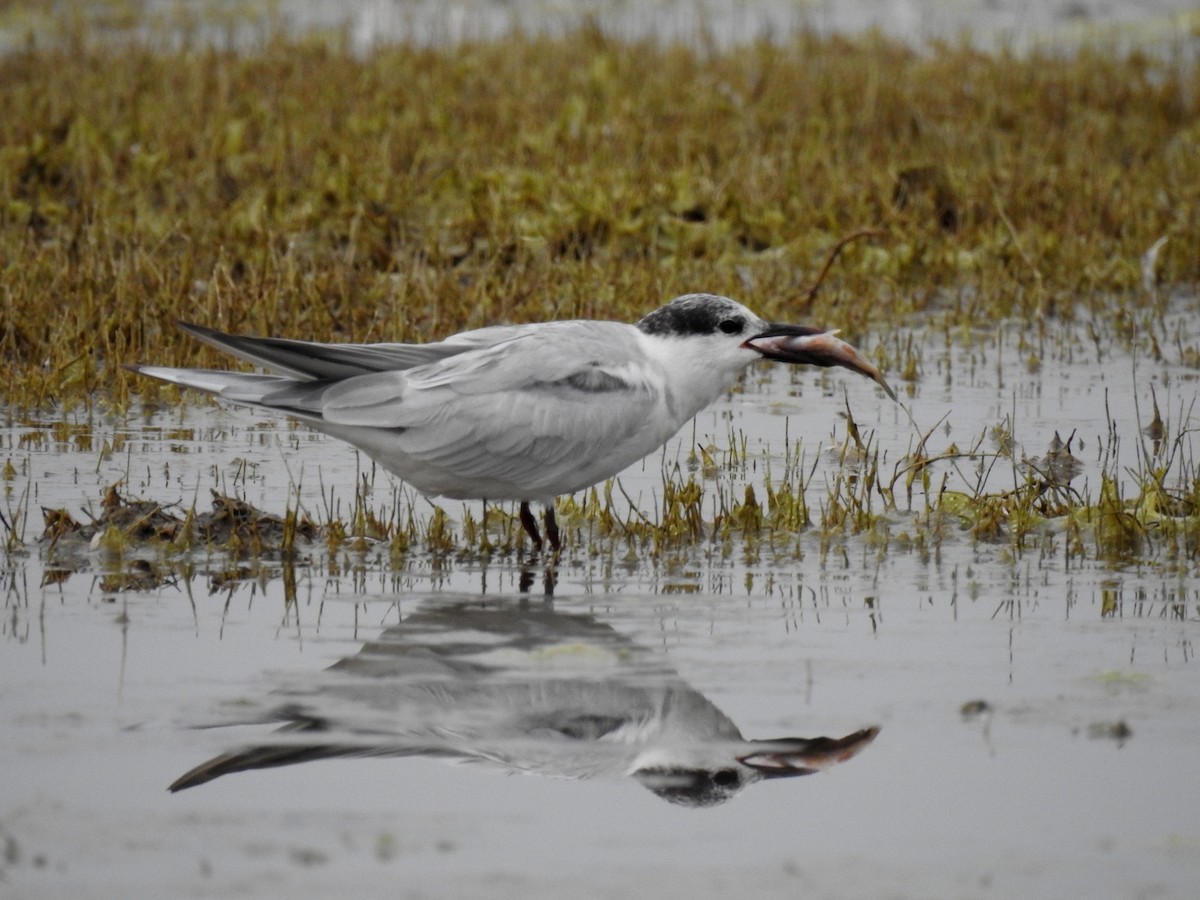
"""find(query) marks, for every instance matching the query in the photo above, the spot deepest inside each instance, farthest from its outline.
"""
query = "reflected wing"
(271, 756)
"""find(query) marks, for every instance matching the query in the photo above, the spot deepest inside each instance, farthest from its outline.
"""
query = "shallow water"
(1021, 25)
(1074, 777)
(993, 24)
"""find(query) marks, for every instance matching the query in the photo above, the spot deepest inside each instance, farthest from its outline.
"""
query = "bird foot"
(529, 523)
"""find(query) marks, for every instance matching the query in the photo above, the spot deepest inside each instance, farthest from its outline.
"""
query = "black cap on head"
(696, 314)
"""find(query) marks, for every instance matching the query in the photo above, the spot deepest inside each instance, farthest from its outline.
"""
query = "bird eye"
(725, 777)
(731, 326)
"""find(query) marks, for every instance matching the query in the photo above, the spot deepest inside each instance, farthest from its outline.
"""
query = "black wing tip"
(202, 774)
(225, 764)
(198, 331)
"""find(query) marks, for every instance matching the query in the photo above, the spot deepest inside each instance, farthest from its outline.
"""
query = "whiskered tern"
(516, 412)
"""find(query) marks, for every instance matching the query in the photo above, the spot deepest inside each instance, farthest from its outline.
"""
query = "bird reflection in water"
(524, 688)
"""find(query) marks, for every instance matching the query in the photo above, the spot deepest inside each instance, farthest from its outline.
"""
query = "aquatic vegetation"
(232, 525)
(303, 190)
(702, 522)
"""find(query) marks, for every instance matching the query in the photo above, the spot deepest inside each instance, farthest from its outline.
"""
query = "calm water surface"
(1077, 778)
(1074, 776)
(994, 24)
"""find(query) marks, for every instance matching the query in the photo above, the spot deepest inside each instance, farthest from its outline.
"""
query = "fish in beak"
(814, 347)
(788, 757)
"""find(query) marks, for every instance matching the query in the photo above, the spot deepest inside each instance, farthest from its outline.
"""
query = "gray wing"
(511, 412)
(306, 360)
(529, 411)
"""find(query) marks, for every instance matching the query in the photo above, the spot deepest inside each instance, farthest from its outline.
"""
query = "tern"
(519, 689)
(516, 412)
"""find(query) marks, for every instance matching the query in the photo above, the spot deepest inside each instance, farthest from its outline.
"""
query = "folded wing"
(506, 413)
